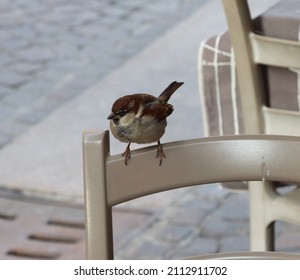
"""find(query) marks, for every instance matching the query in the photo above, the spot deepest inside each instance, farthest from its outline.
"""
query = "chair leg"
(263, 238)
(98, 213)
(262, 230)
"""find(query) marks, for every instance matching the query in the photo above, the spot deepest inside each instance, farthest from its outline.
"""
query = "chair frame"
(109, 182)
(251, 51)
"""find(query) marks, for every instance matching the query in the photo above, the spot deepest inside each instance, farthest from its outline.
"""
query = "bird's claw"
(127, 154)
(160, 152)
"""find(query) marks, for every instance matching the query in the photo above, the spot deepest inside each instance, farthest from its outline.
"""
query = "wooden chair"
(109, 182)
(252, 52)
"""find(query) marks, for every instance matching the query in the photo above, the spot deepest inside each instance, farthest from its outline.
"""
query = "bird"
(142, 118)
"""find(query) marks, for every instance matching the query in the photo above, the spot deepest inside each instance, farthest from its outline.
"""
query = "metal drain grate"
(36, 231)
(65, 223)
(30, 254)
(46, 237)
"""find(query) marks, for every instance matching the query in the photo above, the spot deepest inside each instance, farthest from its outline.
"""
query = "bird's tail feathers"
(167, 93)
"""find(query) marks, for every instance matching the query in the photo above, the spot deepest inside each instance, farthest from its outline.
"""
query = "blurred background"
(63, 63)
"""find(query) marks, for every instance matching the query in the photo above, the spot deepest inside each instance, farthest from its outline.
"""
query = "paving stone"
(116, 11)
(5, 59)
(87, 37)
(46, 32)
(10, 79)
(6, 111)
(198, 246)
(149, 250)
(234, 244)
(13, 128)
(90, 30)
(4, 139)
(134, 3)
(84, 17)
(214, 227)
(288, 242)
(173, 234)
(187, 216)
(69, 9)
(282, 227)
(12, 18)
(33, 116)
(128, 224)
(66, 64)
(4, 91)
(165, 6)
(211, 192)
(25, 32)
(34, 9)
(35, 54)
(199, 206)
(20, 102)
(229, 212)
(158, 201)
(31, 91)
(5, 5)
(26, 68)
(13, 44)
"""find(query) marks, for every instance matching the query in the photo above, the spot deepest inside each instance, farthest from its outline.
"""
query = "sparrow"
(142, 118)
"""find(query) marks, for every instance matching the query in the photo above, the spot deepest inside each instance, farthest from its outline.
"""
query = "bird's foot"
(127, 153)
(160, 152)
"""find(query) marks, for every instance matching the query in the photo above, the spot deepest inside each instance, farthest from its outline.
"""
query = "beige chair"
(251, 51)
(109, 182)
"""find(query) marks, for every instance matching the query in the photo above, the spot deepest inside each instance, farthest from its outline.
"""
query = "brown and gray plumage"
(142, 118)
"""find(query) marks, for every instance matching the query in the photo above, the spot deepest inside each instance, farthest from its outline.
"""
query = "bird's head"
(123, 108)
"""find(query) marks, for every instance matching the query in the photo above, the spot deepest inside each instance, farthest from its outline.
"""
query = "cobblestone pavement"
(51, 50)
(205, 220)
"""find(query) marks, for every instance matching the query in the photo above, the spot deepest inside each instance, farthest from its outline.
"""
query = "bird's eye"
(122, 113)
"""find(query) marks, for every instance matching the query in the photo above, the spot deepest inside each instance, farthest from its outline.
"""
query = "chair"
(252, 53)
(109, 182)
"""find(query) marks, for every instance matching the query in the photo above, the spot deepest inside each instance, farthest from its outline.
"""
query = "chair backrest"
(251, 51)
(109, 182)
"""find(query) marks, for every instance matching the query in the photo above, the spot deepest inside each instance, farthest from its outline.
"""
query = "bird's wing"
(158, 110)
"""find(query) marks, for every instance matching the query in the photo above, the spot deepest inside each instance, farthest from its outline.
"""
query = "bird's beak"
(111, 116)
